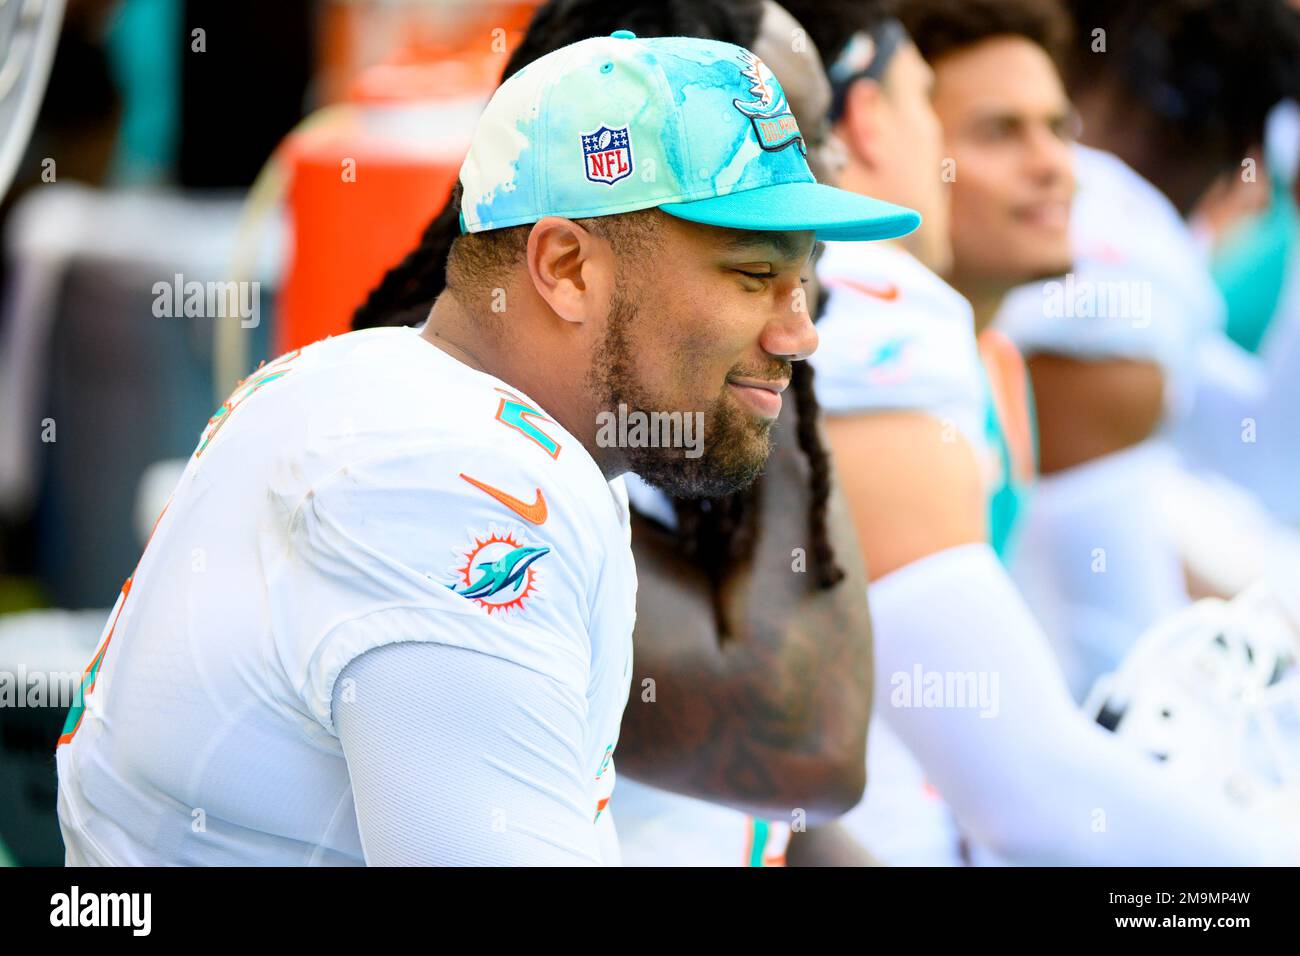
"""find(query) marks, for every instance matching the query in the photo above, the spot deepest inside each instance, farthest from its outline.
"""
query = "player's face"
(912, 141)
(1009, 126)
(709, 325)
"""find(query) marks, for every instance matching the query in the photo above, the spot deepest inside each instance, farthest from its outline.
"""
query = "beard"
(732, 445)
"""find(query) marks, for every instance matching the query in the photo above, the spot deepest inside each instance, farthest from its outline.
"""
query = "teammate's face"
(912, 147)
(710, 325)
(1008, 125)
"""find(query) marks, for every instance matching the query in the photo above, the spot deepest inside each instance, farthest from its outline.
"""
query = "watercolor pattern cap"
(699, 128)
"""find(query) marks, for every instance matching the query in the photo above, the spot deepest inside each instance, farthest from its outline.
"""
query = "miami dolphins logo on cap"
(497, 573)
(607, 154)
(767, 109)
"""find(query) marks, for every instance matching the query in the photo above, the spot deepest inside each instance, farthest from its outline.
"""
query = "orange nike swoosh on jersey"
(536, 512)
(886, 292)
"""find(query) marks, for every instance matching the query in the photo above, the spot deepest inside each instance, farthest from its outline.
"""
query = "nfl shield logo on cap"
(607, 154)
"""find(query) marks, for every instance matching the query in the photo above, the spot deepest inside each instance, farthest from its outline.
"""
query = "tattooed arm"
(774, 717)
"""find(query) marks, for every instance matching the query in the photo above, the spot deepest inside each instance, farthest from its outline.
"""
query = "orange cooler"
(361, 192)
(367, 177)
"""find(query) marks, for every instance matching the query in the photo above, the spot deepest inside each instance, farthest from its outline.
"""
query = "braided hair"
(715, 534)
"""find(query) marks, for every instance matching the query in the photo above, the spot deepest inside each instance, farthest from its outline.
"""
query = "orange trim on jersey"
(156, 522)
(96, 661)
(264, 374)
(99, 658)
(766, 858)
(1008, 378)
(885, 293)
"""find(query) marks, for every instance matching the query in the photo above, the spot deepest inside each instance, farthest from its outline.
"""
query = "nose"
(1048, 156)
(790, 333)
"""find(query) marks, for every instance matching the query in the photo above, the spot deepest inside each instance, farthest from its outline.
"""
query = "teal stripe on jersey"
(1008, 498)
(761, 830)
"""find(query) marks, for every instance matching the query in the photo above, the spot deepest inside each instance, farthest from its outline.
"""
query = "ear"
(860, 127)
(571, 268)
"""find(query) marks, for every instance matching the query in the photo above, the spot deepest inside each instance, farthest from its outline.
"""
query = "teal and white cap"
(699, 128)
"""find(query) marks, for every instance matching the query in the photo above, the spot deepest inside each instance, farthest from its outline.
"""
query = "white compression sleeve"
(1244, 418)
(1035, 780)
(460, 758)
(1097, 544)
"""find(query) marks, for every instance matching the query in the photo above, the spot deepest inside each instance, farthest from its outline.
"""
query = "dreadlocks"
(713, 533)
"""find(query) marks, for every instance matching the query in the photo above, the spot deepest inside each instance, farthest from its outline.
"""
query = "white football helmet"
(1214, 692)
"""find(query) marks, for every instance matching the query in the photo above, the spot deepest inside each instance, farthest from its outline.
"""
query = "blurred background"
(211, 183)
(296, 148)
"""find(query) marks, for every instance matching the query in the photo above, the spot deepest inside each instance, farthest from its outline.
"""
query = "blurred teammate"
(387, 614)
(965, 678)
(760, 666)
(1127, 351)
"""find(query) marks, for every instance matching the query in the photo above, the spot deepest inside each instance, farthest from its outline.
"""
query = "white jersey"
(365, 490)
(1140, 287)
(660, 828)
(901, 819)
(896, 337)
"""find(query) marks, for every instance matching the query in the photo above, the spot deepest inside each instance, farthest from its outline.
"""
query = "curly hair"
(940, 27)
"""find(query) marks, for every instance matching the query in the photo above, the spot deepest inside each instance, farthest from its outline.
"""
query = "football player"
(752, 680)
(386, 616)
(931, 441)
(1131, 369)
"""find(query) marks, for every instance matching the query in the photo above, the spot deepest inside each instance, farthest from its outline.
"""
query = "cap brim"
(834, 214)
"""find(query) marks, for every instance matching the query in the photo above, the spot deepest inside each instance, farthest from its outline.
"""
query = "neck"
(983, 298)
(986, 309)
(536, 369)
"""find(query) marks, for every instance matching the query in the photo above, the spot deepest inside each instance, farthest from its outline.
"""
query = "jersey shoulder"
(1118, 216)
(894, 336)
(412, 498)
(387, 408)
